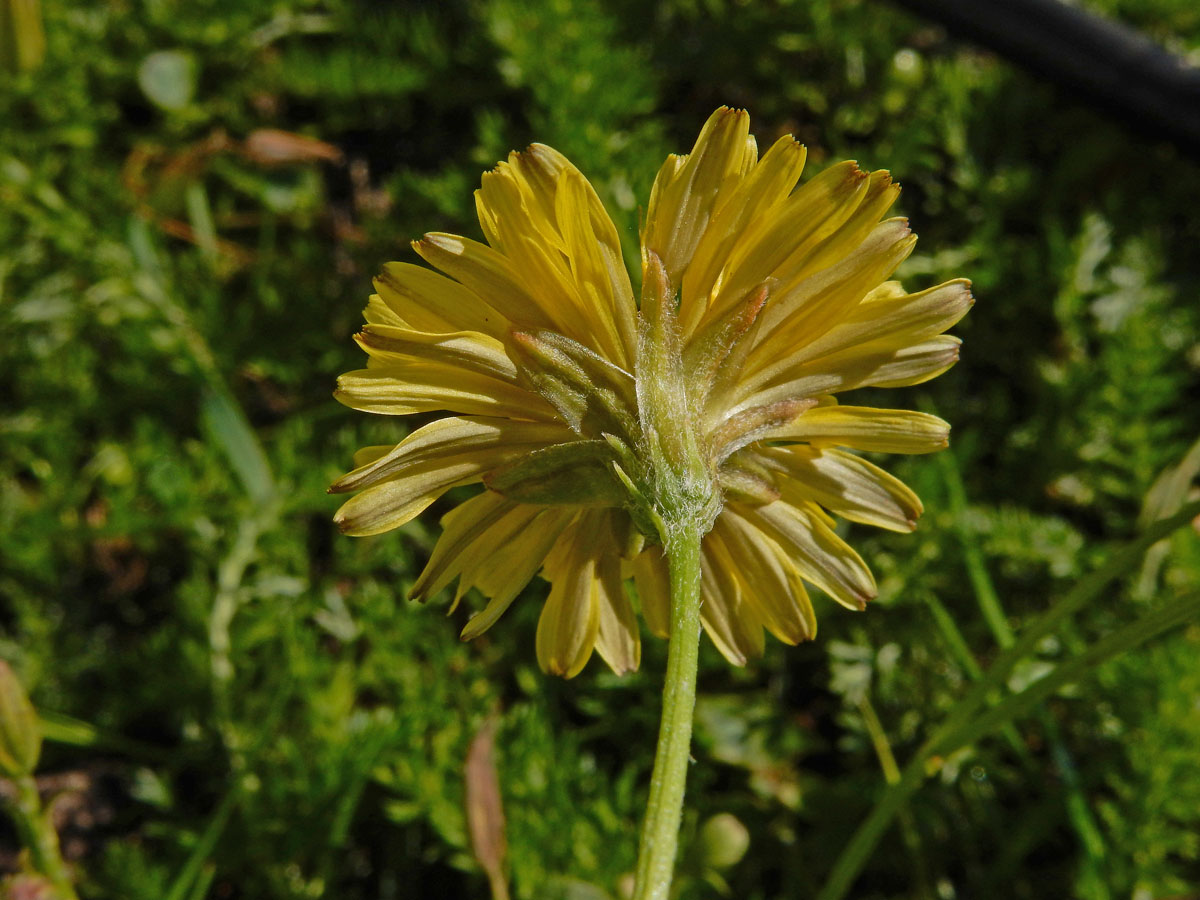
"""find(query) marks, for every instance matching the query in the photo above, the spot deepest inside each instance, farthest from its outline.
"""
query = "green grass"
(257, 711)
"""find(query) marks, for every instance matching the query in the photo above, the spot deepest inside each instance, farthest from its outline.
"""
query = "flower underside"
(597, 424)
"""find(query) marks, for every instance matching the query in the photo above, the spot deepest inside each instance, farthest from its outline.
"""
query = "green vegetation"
(237, 702)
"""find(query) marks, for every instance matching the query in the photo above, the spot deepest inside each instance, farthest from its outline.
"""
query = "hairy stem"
(660, 831)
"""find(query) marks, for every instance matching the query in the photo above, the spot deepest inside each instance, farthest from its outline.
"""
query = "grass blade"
(1152, 624)
(227, 424)
(962, 722)
(1085, 591)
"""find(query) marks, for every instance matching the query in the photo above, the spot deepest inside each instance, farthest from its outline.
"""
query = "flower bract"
(596, 420)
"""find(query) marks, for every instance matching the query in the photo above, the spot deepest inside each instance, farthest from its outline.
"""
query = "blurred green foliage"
(242, 701)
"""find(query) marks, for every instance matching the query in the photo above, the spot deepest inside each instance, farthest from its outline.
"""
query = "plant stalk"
(38, 836)
(664, 811)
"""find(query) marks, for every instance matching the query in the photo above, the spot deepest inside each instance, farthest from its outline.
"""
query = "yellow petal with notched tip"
(879, 364)
(769, 580)
(915, 364)
(424, 300)
(531, 247)
(541, 168)
(617, 639)
(653, 584)
(515, 215)
(501, 555)
(543, 173)
(419, 385)
(810, 215)
(537, 170)
(566, 630)
(449, 439)
(729, 620)
(803, 308)
(763, 189)
(428, 463)
(542, 214)
(865, 428)
(846, 485)
(387, 345)
(394, 503)
(685, 192)
(506, 562)
(379, 311)
(364, 456)
(486, 272)
(606, 302)
(900, 319)
(880, 193)
(822, 557)
(461, 528)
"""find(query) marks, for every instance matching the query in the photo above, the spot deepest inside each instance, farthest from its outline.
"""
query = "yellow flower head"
(596, 424)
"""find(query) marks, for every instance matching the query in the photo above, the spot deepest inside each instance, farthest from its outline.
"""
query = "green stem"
(38, 836)
(664, 811)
